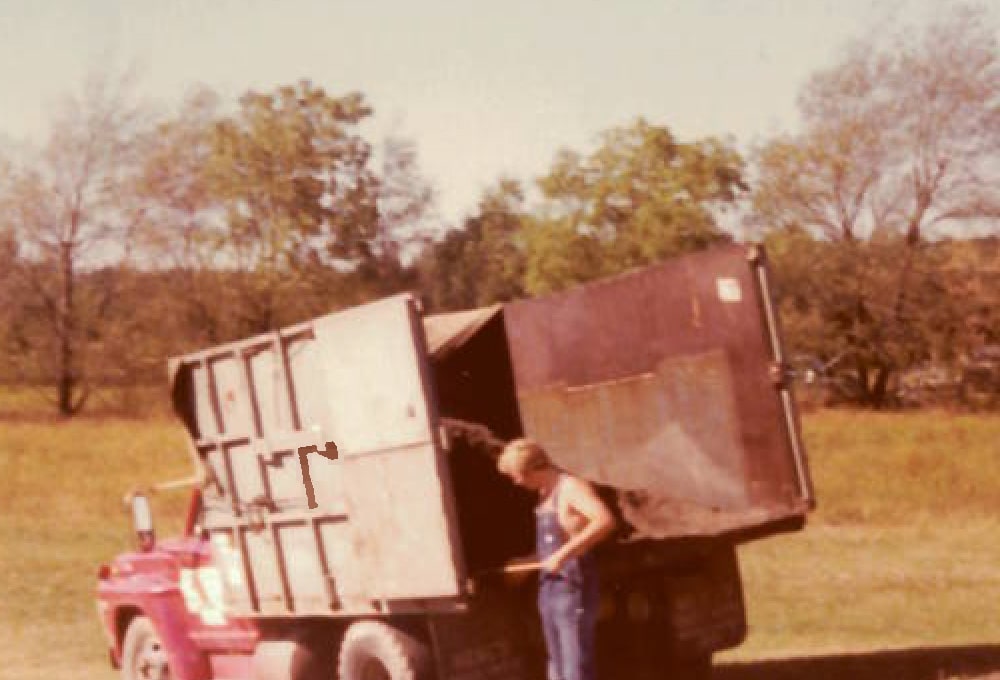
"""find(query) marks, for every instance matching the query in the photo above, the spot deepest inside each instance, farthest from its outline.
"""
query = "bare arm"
(580, 497)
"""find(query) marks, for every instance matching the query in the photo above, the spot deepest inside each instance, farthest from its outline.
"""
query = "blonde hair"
(523, 455)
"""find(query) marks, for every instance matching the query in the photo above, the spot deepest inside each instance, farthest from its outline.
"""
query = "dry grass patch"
(61, 515)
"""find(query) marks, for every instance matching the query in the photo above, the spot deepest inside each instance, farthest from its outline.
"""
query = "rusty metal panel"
(659, 383)
(640, 415)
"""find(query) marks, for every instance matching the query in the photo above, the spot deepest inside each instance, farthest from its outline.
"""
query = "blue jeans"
(568, 604)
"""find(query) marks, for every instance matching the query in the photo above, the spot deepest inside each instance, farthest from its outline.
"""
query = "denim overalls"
(567, 600)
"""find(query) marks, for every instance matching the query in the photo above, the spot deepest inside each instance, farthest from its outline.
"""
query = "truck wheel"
(143, 656)
(372, 650)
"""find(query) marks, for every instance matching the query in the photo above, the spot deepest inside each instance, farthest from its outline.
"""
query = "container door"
(664, 384)
(328, 491)
(402, 541)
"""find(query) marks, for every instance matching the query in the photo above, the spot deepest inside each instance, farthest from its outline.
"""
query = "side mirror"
(142, 521)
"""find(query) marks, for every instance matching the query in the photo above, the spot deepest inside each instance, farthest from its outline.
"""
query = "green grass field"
(61, 515)
(902, 552)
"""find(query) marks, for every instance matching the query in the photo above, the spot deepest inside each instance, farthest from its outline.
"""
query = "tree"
(483, 262)
(640, 197)
(898, 145)
(972, 273)
(835, 297)
(9, 274)
(184, 235)
(63, 204)
(292, 175)
(283, 196)
(403, 199)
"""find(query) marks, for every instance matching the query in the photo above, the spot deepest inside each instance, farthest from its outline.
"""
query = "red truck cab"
(162, 611)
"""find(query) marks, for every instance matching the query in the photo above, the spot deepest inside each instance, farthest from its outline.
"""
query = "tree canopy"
(898, 148)
(484, 261)
(641, 196)
(66, 207)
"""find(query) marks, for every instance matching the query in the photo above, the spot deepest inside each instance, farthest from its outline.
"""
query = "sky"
(482, 89)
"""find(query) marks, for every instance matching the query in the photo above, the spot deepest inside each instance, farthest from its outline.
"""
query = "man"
(570, 520)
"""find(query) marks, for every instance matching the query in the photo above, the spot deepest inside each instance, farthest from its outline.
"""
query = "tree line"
(130, 236)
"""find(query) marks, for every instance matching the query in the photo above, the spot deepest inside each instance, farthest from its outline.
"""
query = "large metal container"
(330, 490)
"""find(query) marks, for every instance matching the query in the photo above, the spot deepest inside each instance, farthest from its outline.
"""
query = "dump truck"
(348, 521)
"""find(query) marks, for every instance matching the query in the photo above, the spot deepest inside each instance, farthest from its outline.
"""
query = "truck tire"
(372, 650)
(143, 656)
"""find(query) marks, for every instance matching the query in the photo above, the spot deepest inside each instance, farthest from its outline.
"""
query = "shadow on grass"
(925, 663)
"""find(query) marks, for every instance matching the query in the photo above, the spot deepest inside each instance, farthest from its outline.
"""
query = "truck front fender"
(165, 609)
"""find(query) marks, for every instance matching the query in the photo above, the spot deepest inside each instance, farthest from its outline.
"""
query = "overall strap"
(551, 502)
(556, 489)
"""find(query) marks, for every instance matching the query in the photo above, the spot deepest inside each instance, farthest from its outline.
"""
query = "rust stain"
(711, 430)
(667, 441)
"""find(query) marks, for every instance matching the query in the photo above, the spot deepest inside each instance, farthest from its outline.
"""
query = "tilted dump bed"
(333, 489)
(666, 384)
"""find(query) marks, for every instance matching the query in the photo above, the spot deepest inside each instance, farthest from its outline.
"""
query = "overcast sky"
(483, 88)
